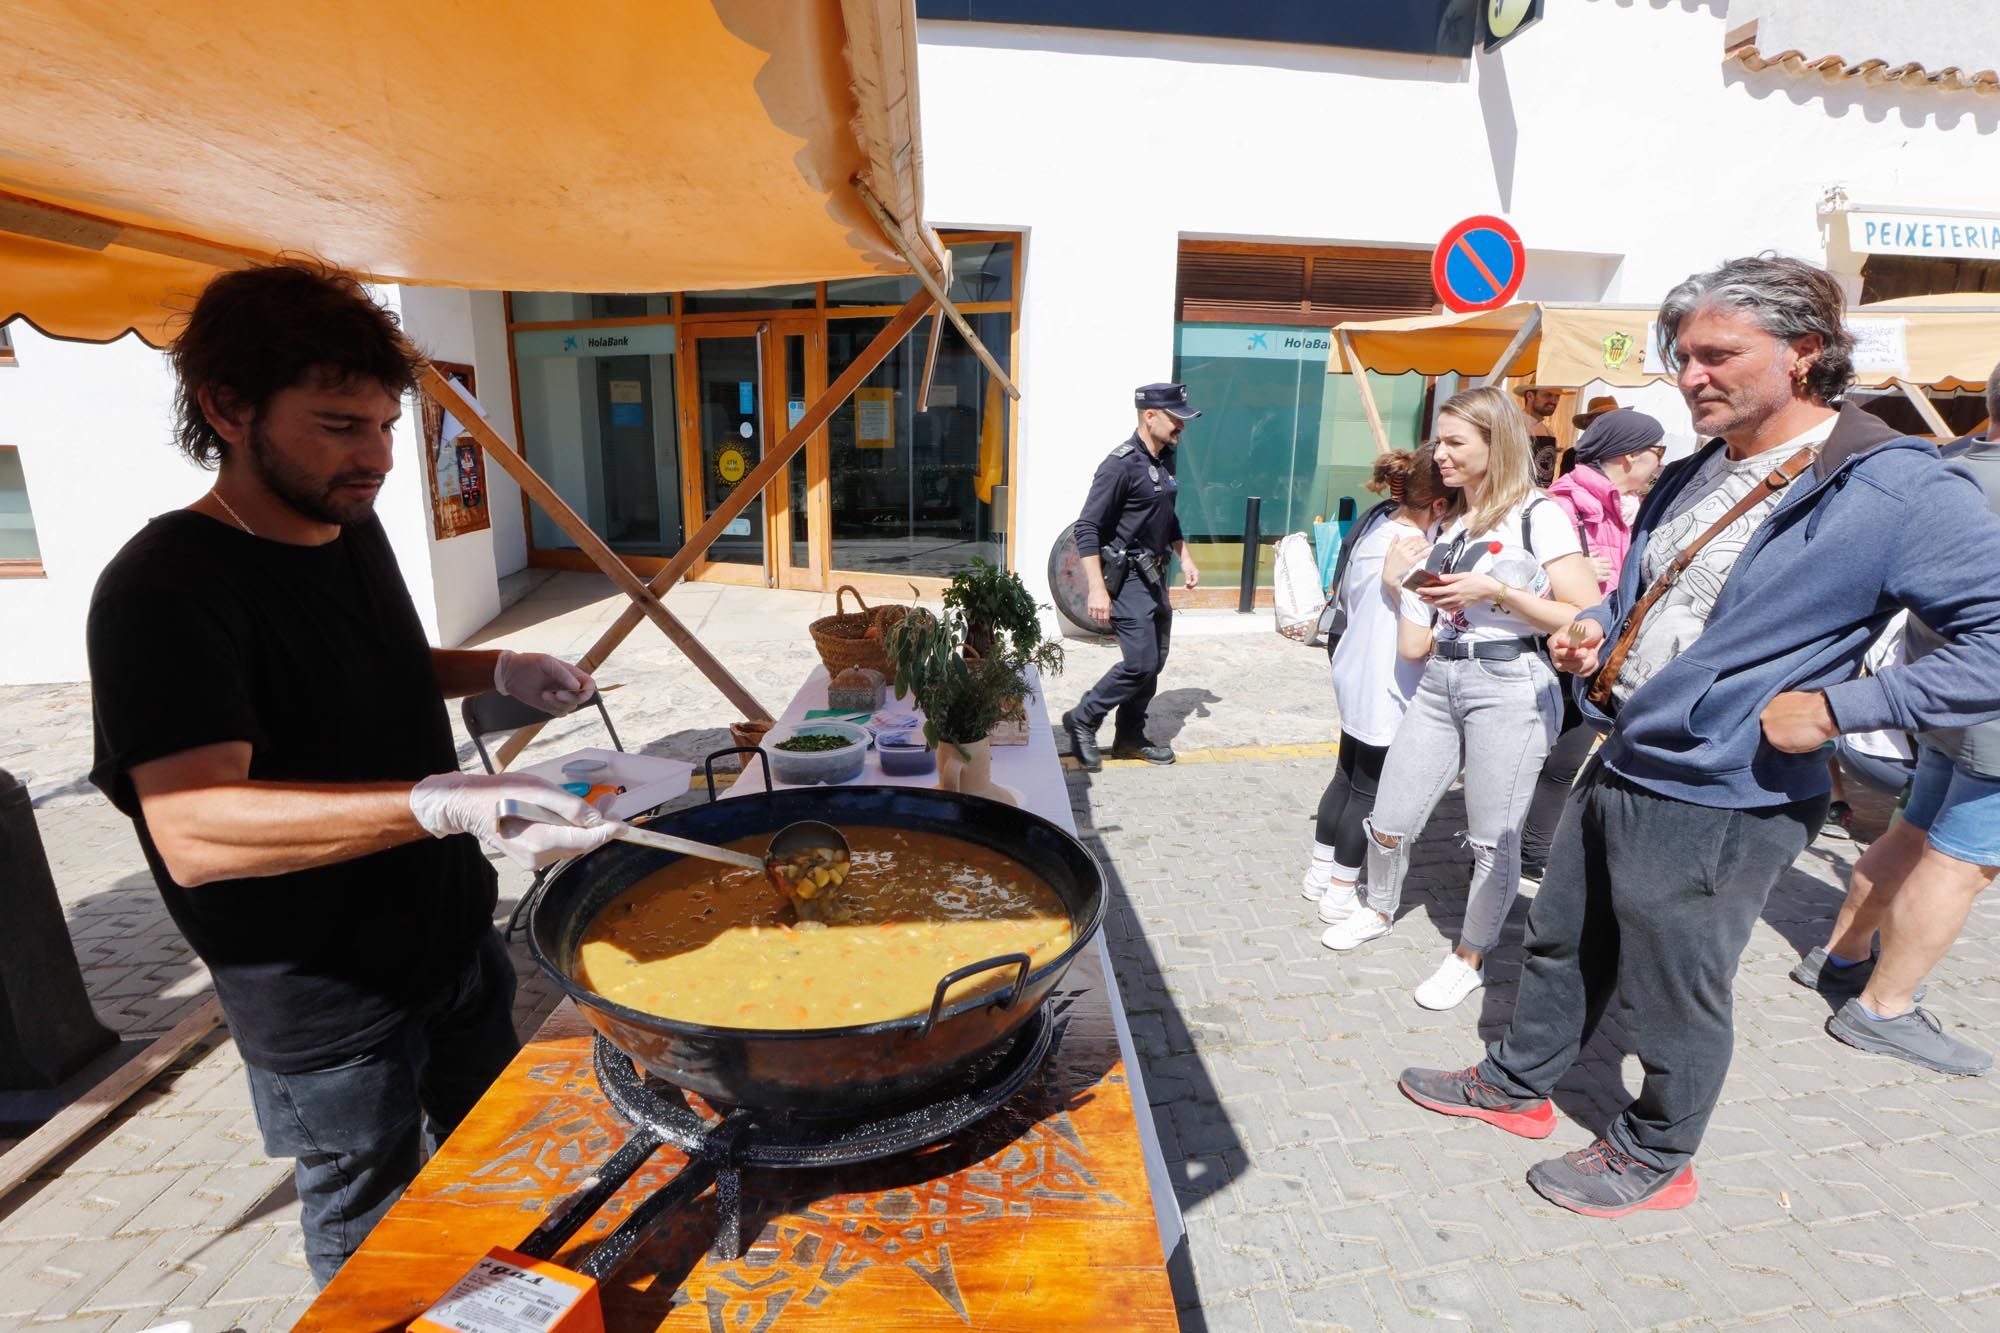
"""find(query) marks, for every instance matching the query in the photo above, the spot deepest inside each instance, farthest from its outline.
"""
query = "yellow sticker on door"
(731, 464)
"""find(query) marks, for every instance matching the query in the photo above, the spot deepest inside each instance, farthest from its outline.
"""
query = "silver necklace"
(230, 510)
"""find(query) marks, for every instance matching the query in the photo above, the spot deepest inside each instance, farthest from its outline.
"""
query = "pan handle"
(708, 766)
(1019, 961)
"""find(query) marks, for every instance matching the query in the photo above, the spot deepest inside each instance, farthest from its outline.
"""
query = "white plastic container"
(805, 767)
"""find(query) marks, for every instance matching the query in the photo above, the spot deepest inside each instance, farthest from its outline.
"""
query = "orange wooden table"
(1038, 1217)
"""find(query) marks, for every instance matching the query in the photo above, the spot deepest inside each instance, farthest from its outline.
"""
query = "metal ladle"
(806, 836)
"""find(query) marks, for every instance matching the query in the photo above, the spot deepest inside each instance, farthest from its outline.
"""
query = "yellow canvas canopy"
(1945, 342)
(621, 145)
(613, 146)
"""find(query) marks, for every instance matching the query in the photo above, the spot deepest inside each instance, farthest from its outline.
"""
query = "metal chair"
(492, 712)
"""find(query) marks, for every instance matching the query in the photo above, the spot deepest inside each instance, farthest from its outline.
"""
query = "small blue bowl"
(904, 754)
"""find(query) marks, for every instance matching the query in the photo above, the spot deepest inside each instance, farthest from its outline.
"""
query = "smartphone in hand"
(1422, 578)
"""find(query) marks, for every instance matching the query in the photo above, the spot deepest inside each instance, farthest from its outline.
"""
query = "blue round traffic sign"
(1478, 265)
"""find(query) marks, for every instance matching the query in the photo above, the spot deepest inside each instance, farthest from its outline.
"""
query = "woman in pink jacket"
(1618, 457)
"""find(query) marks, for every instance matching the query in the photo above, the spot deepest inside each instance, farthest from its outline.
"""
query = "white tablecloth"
(1034, 773)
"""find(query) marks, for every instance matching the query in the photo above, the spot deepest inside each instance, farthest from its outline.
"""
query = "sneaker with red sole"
(1463, 1092)
(1605, 1181)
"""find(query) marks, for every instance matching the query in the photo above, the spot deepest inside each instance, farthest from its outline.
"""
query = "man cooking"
(1537, 406)
(270, 716)
(1124, 535)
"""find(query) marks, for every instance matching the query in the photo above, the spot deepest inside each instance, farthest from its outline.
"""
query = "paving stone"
(83, 1207)
(1341, 1305)
(151, 1280)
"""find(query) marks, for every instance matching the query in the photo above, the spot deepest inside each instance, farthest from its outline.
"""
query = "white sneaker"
(1359, 928)
(1339, 902)
(1450, 984)
(1310, 888)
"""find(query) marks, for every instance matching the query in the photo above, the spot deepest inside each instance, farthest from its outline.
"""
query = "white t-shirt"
(1502, 556)
(1678, 618)
(1371, 681)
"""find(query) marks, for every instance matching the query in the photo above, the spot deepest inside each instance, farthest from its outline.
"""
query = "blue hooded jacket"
(1877, 524)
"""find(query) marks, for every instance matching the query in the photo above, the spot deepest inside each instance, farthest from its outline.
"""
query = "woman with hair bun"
(1371, 681)
(1506, 571)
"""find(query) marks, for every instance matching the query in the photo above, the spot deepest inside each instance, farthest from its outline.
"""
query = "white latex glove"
(549, 683)
(451, 803)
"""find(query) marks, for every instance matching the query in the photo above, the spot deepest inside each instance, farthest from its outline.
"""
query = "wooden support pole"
(1925, 409)
(747, 490)
(1360, 373)
(454, 401)
(1529, 328)
(930, 282)
(930, 364)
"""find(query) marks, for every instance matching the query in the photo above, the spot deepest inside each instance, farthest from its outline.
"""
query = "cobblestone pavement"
(1834, 1185)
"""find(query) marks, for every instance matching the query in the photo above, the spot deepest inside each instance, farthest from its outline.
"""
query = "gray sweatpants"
(1493, 721)
(1654, 899)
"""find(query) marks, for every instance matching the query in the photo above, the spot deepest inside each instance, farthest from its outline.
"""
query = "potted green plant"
(993, 601)
(964, 697)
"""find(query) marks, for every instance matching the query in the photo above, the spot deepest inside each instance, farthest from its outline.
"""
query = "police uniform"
(1130, 510)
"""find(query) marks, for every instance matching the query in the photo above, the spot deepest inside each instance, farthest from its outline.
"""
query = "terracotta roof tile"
(1870, 70)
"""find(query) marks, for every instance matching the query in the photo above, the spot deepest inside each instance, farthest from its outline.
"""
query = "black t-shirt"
(201, 633)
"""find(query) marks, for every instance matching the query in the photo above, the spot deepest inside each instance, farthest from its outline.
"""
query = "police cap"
(1165, 398)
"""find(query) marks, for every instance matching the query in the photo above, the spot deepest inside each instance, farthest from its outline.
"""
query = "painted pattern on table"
(816, 1232)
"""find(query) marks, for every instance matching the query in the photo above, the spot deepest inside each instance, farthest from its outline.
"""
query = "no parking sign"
(1478, 265)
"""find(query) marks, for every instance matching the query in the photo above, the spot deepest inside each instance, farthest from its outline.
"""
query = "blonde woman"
(1506, 570)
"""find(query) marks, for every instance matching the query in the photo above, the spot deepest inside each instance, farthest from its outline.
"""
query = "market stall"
(1944, 343)
(1030, 1193)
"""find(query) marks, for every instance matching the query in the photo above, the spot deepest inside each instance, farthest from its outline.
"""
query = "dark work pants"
(1143, 622)
(1552, 786)
(357, 1129)
(1653, 898)
(1349, 799)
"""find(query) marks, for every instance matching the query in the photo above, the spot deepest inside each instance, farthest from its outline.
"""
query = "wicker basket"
(842, 638)
(748, 733)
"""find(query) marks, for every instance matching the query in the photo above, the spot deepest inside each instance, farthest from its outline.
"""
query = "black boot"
(1082, 744)
(1138, 747)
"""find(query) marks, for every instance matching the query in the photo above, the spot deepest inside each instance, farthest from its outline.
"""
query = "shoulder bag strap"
(1779, 477)
(1360, 529)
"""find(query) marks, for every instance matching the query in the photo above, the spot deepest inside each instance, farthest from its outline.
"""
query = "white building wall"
(1612, 135)
(94, 427)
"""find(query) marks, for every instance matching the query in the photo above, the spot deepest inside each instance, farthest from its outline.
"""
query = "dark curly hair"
(254, 331)
(1788, 298)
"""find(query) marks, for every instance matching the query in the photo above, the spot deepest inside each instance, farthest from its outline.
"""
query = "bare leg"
(1876, 879)
(1920, 923)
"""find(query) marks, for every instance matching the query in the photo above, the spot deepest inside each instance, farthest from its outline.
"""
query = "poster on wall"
(874, 418)
(456, 465)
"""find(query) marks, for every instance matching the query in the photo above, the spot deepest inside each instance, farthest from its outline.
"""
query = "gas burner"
(721, 1144)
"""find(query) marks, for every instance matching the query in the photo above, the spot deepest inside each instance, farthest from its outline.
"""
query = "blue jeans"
(1959, 812)
(360, 1129)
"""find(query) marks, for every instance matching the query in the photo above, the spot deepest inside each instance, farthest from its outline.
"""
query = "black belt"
(1486, 650)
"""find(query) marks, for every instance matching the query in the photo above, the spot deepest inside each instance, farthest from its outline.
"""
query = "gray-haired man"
(1760, 569)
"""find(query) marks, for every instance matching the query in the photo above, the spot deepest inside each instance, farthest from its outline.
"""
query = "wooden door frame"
(694, 469)
(810, 325)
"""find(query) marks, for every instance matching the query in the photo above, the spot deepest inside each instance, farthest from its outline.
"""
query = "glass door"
(727, 431)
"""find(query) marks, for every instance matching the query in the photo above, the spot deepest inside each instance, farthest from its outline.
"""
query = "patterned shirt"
(1677, 619)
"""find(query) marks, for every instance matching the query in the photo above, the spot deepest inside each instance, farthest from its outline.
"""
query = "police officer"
(1124, 535)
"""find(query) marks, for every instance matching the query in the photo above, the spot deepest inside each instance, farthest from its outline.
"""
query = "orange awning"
(1946, 342)
(621, 145)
